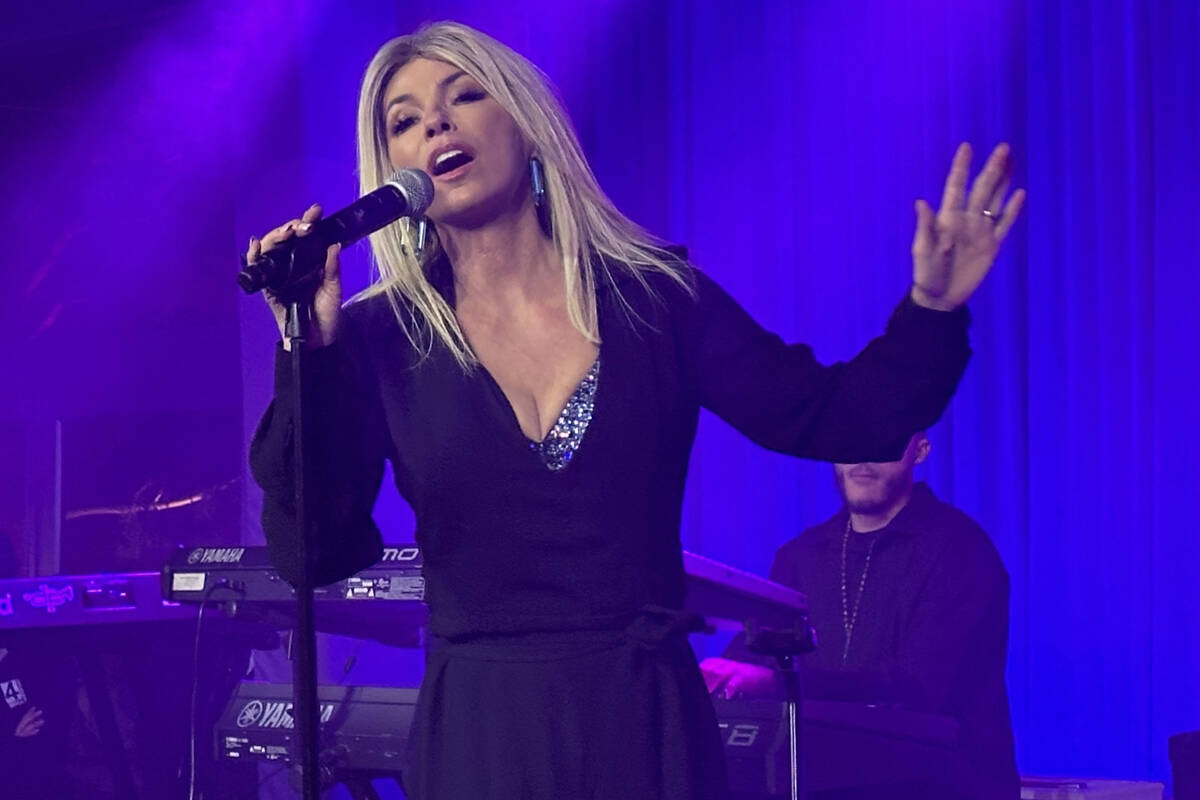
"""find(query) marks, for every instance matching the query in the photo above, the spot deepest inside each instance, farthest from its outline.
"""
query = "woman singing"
(533, 364)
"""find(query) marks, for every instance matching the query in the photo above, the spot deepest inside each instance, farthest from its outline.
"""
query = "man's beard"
(889, 491)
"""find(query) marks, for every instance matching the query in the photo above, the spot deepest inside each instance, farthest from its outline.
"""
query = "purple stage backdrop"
(784, 143)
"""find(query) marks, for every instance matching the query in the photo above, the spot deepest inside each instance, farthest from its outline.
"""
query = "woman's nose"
(438, 123)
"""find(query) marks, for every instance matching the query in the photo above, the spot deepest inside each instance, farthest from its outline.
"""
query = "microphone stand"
(305, 710)
(296, 287)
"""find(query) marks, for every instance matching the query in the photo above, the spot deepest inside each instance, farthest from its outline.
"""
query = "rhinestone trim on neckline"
(562, 441)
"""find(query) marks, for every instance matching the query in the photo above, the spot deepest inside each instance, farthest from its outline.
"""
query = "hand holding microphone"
(300, 258)
(327, 302)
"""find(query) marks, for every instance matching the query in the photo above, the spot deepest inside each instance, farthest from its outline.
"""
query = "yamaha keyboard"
(847, 745)
(362, 727)
(384, 602)
(718, 591)
(191, 572)
(118, 661)
(391, 592)
(68, 601)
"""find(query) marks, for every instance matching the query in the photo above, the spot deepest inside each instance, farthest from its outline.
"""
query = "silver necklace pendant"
(850, 616)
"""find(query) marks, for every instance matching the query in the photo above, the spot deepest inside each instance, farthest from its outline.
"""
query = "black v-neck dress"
(559, 667)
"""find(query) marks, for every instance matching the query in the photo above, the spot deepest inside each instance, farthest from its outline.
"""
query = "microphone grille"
(416, 187)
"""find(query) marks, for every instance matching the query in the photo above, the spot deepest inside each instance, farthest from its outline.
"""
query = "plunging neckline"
(562, 440)
(441, 276)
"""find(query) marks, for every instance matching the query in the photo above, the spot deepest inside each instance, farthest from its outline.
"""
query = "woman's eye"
(401, 124)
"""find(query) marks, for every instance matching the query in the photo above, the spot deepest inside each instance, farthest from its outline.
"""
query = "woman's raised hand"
(954, 249)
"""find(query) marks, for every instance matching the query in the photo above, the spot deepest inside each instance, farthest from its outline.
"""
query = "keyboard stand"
(784, 645)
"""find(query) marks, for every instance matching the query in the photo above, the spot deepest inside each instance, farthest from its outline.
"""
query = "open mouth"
(450, 161)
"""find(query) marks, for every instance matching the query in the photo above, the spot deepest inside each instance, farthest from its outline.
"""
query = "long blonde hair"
(589, 232)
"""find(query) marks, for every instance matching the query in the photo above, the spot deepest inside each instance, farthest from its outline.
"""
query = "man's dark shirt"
(931, 630)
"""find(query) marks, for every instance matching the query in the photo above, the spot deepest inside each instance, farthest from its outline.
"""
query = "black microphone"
(297, 264)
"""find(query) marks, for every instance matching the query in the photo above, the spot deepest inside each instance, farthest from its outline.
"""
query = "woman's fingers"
(996, 202)
(923, 236)
(983, 190)
(305, 223)
(955, 191)
(1012, 210)
(987, 193)
(281, 234)
(253, 250)
(293, 227)
(333, 265)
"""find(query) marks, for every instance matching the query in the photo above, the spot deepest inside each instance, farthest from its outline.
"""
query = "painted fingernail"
(304, 226)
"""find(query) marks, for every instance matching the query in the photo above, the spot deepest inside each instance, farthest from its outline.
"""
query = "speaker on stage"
(1184, 749)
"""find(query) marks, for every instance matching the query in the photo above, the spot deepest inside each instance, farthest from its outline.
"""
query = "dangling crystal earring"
(537, 179)
(422, 232)
(421, 235)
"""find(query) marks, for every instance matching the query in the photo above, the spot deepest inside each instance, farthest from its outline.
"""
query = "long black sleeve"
(346, 446)
(781, 397)
(509, 545)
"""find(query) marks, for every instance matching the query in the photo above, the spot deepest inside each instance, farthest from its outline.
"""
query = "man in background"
(909, 600)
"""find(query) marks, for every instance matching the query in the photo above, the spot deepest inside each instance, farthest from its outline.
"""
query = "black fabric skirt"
(611, 714)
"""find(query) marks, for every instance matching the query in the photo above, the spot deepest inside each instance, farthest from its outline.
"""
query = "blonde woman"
(533, 365)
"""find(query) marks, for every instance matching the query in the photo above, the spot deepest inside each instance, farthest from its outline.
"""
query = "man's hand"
(31, 723)
(733, 679)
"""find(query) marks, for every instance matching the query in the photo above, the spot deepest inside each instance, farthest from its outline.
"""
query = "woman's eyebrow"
(442, 84)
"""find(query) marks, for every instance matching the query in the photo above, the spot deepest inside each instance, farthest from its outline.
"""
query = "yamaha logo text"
(259, 714)
(216, 555)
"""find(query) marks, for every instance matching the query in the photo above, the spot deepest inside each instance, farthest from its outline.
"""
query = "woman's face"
(439, 119)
